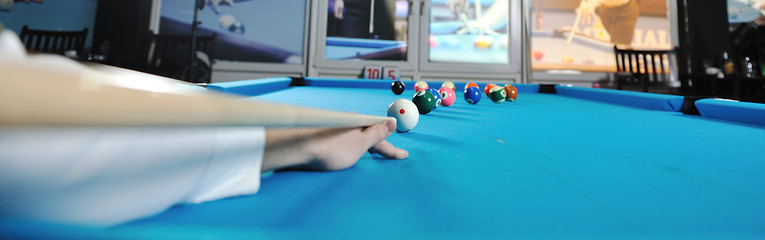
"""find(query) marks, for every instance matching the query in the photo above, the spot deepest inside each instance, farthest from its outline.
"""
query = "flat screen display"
(247, 30)
(580, 35)
(367, 29)
(470, 31)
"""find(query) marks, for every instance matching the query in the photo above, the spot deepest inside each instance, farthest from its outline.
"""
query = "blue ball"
(437, 96)
(472, 95)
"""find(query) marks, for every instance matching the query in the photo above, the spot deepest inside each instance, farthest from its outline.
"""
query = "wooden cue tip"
(573, 28)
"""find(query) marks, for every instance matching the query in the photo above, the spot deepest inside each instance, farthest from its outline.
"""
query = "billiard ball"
(397, 87)
(567, 59)
(420, 85)
(449, 85)
(437, 95)
(425, 101)
(471, 84)
(472, 95)
(596, 85)
(405, 113)
(538, 54)
(229, 22)
(512, 92)
(487, 88)
(447, 96)
(432, 41)
(497, 94)
(483, 42)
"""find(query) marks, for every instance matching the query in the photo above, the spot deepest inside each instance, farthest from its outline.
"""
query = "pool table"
(461, 48)
(371, 49)
(586, 54)
(559, 162)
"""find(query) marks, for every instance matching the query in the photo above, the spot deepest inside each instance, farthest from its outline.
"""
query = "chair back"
(645, 68)
(168, 55)
(58, 42)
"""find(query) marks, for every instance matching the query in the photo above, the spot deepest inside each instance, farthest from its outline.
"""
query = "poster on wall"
(580, 34)
(367, 29)
(247, 30)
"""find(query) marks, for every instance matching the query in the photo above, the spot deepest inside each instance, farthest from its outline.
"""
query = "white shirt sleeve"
(106, 176)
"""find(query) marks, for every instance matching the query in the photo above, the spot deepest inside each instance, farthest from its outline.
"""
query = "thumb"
(378, 132)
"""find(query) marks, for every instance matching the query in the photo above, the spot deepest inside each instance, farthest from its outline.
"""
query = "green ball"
(425, 101)
(497, 94)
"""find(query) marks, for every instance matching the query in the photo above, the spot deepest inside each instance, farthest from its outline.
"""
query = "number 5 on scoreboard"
(390, 73)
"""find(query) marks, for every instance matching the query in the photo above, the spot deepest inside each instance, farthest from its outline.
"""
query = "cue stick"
(573, 28)
(49, 90)
(372, 18)
(478, 9)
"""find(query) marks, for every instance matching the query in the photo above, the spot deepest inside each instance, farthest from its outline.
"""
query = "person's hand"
(456, 7)
(341, 148)
(494, 18)
(339, 7)
(759, 5)
(586, 11)
(327, 149)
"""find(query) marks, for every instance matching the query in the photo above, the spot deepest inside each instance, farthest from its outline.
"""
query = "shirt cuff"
(234, 168)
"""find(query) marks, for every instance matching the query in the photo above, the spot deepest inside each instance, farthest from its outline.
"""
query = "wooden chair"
(648, 70)
(168, 55)
(58, 42)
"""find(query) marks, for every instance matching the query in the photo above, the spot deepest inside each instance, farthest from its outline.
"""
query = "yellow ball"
(448, 84)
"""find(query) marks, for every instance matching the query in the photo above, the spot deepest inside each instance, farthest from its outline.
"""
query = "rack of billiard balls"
(428, 99)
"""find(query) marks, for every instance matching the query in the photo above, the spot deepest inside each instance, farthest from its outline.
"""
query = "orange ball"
(488, 87)
(483, 42)
(512, 92)
(471, 84)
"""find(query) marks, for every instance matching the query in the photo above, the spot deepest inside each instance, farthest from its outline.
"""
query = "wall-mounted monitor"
(247, 30)
(369, 30)
(580, 35)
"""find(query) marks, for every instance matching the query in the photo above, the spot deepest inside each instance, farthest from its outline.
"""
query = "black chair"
(646, 70)
(58, 42)
(168, 55)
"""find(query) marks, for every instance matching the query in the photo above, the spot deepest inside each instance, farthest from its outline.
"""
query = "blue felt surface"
(543, 167)
(362, 43)
(251, 87)
(744, 112)
(635, 99)
(343, 48)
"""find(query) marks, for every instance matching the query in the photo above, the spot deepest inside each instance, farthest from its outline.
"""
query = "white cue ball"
(405, 113)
